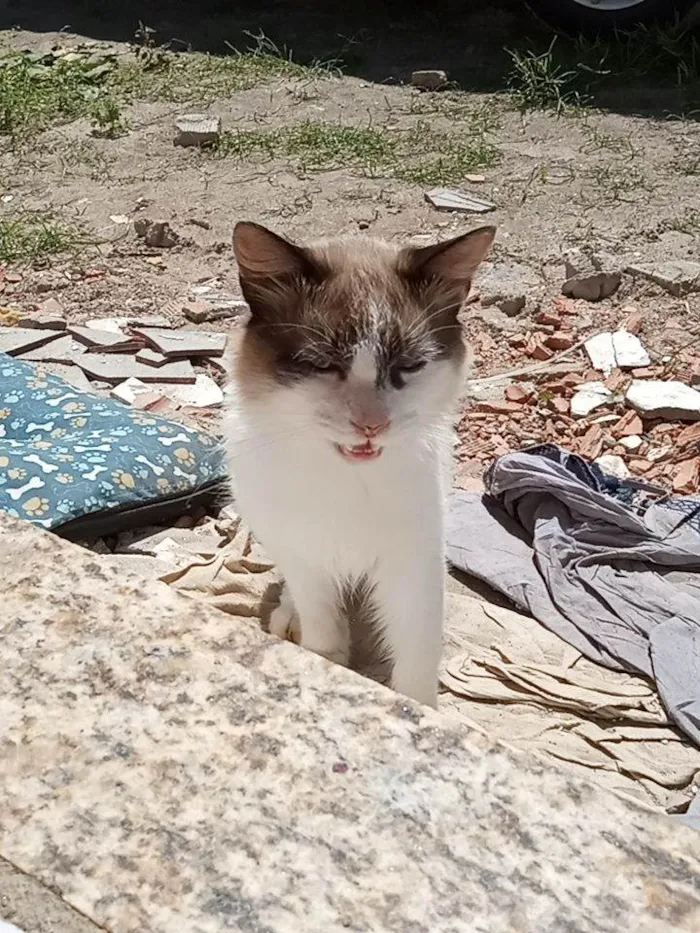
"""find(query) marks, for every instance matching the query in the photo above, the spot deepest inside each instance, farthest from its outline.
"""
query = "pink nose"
(370, 430)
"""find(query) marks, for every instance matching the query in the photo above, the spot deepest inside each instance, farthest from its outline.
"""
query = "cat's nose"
(369, 429)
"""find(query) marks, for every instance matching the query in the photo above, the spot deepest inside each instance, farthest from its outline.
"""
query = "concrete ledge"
(169, 769)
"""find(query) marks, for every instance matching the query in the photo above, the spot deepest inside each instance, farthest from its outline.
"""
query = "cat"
(340, 433)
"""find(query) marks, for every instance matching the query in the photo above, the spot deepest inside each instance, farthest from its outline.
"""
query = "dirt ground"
(618, 175)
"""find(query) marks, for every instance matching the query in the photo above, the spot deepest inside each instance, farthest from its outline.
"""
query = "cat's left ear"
(452, 263)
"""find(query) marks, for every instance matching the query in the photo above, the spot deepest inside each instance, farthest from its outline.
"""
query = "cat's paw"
(284, 622)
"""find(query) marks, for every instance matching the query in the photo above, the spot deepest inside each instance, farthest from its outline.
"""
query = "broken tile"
(588, 397)
(18, 340)
(44, 322)
(114, 368)
(114, 325)
(104, 341)
(196, 129)
(496, 407)
(672, 400)
(63, 350)
(73, 375)
(629, 351)
(205, 393)
(447, 199)
(129, 390)
(677, 276)
(199, 311)
(601, 352)
(689, 435)
(182, 344)
(150, 357)
(517, 394)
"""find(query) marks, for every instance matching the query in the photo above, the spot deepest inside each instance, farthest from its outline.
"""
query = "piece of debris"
(689, 435)
(613, 465)
(686, 475)
(628, 425)
(537, 350)
(590, 277)
(677, 276)
(44, 322)
(447, 199)
(182, 344)
(120, 219)
(429, 79)
(629, 351)
(17, 340)
(591, 443)
(116, 367)
(634, 322)
(199, 311)
(475, 179)
(672, 400)
(506, 285)
(518, 394)
(588, 397)
(73, 375)
(205, 393)
(104, 341)
(197, 129)
(63, 350)
(631, 443)
(496, 407)
(151, 357)
(559, 342)
(160, 234)
(128, 390)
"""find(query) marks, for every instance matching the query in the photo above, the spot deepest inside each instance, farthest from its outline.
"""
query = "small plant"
(107, 119)
(34, 238)
(540, 82)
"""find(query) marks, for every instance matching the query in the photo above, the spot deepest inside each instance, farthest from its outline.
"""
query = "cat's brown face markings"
(316, 310)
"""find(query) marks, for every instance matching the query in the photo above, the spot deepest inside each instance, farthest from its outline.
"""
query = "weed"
(107, 119)
(618, 181)
(540, 82)
(32, 238)
(37, 91)
(597, 141)
(370, 151)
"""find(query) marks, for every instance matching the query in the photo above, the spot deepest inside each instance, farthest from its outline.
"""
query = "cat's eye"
(324, 367)
(411, 367)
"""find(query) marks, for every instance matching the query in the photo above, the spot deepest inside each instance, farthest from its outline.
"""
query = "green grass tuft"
(31, 238)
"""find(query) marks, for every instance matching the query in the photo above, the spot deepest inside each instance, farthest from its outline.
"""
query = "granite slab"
(168, 768)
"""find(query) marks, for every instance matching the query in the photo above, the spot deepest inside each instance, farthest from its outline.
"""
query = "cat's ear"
(262, 254)
(452, 263)
(272, 270)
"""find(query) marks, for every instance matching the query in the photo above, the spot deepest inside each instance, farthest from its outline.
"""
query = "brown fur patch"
(311, 307)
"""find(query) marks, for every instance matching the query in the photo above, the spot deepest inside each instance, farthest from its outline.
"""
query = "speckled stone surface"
(169, 769)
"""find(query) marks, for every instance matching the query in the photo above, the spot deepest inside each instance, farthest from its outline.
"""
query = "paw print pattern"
(54, 440)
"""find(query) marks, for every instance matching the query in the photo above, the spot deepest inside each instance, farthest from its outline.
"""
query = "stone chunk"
(429, 79)
(205, 393)
(653, 398)
(677, 276)
(629, 350)
(115, 368)
(590, 395)
(181, 344)
(613, 466)
(590, 277)
(197, 129)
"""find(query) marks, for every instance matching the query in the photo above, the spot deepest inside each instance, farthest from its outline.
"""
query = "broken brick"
(689, 435)
(495, 407)
(559, 405)
(517, 394)
(628, 425)
(685, 477)
(592, 442)
(537, 350)
(548, 317)
(559, 342)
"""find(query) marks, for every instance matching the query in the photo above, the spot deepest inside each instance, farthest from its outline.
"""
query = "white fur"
(325, 520)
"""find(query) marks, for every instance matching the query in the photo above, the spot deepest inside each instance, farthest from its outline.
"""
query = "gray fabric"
(617, 580)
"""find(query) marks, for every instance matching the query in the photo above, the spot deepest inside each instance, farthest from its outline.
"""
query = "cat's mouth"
(360, 452)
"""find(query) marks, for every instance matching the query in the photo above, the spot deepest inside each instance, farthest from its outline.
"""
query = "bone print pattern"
(66, 453)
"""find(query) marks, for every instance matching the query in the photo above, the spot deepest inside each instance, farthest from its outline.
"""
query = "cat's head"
(355, 340)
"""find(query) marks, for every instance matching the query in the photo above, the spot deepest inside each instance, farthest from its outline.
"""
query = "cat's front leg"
(314, 596)
(411, 602)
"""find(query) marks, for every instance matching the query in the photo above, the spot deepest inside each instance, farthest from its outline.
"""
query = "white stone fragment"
(629, 351)
(588, 397)
(601, 352)
(613, 466)
(653, 398)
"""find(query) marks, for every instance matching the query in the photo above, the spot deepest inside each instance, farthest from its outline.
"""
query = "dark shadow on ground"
(381, 43)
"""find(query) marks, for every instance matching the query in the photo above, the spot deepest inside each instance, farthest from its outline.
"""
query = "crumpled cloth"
(611, 566)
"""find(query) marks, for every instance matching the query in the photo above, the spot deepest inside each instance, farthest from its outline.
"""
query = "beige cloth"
(507, 675)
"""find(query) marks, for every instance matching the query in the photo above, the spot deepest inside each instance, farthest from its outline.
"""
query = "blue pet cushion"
(74, 462)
